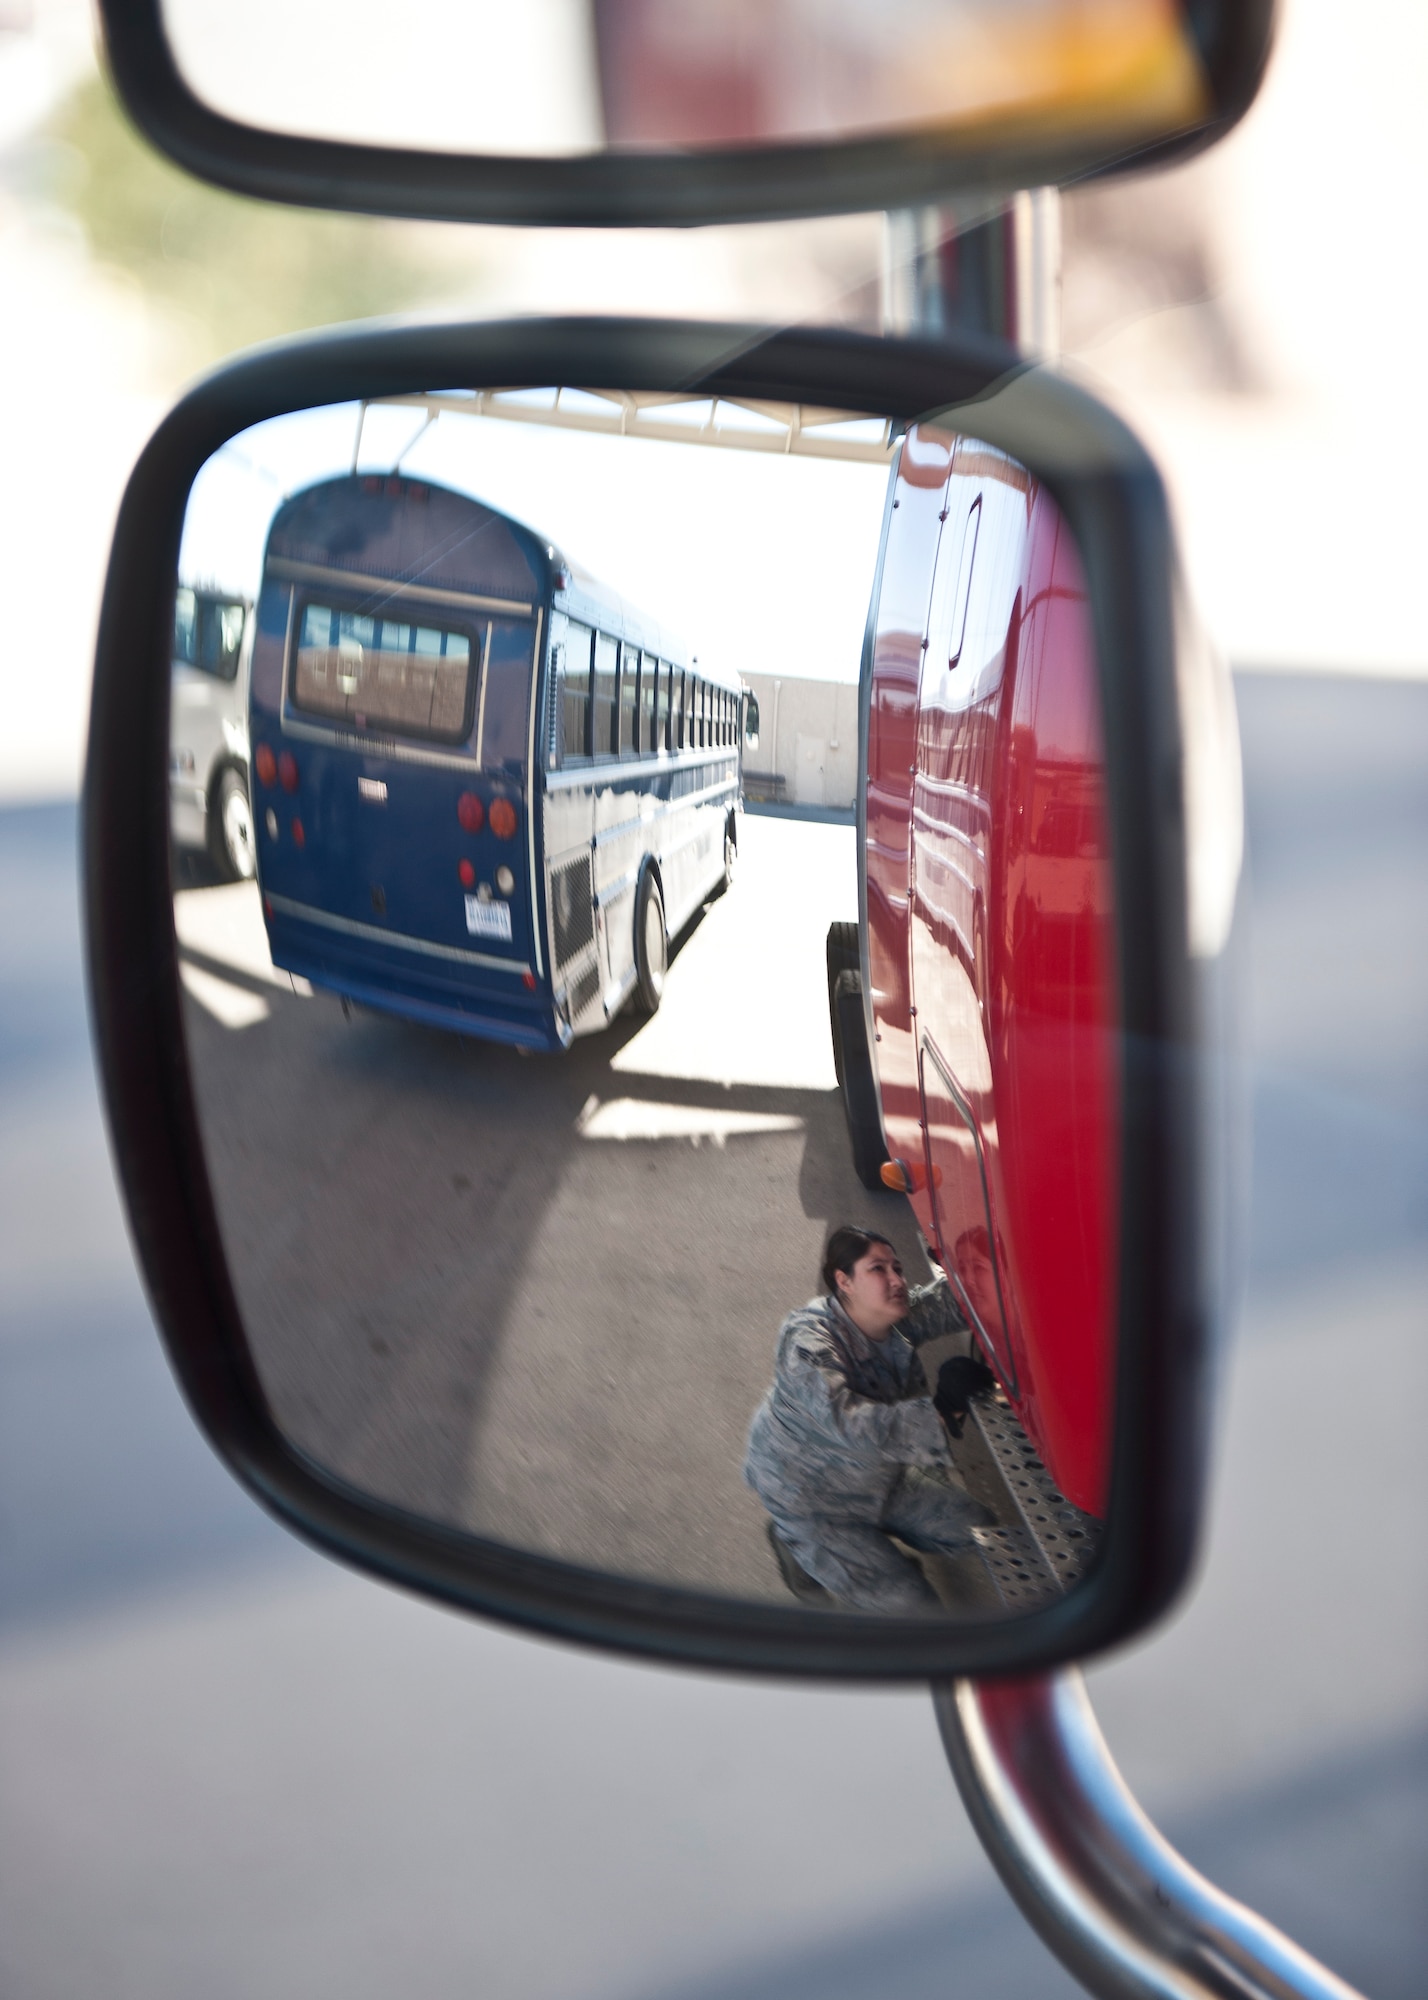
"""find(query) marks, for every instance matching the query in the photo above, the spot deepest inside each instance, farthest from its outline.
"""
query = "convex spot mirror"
(498, 1027)
(668, 111)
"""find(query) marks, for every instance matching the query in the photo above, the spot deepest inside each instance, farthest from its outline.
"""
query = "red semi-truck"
(986, 988)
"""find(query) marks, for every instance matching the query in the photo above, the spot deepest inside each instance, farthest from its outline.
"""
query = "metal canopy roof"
(797, 430)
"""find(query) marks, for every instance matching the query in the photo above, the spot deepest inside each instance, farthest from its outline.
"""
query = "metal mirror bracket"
(1102, 1889)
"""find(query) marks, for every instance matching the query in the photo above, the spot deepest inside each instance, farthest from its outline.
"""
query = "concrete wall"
(808, 742)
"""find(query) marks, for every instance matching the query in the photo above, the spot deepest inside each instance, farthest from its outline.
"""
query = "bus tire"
(651, 944)
(857, 1086)
(231, 846)
(731, 855)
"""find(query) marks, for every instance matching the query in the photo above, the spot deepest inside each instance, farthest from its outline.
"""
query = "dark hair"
(843, 1249)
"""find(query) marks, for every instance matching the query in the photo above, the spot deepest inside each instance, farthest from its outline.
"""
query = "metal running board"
(1041, 1544)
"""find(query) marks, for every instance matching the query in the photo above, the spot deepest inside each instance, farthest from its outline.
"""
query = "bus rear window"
(383, 673)
(506, 708)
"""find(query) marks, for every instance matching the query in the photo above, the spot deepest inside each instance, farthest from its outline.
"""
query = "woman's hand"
(958, 1380)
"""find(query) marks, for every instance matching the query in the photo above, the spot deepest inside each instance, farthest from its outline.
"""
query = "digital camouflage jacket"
(846, 1414)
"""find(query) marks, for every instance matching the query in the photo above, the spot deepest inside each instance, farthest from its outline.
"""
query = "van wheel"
(651, 944)
(230, 829)
(856, 1084)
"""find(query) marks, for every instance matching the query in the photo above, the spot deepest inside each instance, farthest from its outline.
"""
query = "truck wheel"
(230, 829)
(856, 1084)
(843, 956)
(651, 944)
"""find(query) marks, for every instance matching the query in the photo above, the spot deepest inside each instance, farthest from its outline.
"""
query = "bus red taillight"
(471, 812)
(299, 835)
(467, 873)
(266, 765)
(503, 818)
(288, 771)
(528, 981)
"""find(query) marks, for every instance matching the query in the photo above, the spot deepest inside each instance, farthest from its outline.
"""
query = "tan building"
(808, 743)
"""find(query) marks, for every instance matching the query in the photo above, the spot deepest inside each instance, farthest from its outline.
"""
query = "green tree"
(238, 271)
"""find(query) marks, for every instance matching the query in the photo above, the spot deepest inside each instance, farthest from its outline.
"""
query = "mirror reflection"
(594, 1176)
(554, 77)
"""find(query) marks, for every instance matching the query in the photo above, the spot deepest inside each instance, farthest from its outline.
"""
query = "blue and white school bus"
(486, 790)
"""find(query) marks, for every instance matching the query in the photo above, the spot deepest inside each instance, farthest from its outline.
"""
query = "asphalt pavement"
(535, 1296)
(229, 1768)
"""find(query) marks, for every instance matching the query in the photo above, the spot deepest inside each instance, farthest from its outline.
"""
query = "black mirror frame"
(649, 190)
(1114, 501)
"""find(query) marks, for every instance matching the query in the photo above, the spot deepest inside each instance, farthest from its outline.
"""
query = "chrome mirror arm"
(1102, 1889)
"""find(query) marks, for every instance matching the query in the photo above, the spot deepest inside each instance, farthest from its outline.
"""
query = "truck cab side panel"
(991, 933)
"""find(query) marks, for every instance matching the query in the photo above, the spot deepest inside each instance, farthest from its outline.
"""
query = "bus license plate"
(488, 920)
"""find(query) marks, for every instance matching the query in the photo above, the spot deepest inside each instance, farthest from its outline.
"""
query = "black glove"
(958, 1380)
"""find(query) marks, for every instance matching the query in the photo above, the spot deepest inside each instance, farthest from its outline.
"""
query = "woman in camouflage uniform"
(847, 1450)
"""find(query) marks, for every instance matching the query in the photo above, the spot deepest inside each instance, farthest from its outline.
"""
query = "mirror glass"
(552, 77)
(622, 1152)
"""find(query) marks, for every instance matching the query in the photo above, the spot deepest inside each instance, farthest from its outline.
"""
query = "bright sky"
(759, 563)
(414, 75)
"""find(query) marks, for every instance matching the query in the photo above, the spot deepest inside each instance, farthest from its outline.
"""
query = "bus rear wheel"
(651, 944)
(230, 829)
(731, 855)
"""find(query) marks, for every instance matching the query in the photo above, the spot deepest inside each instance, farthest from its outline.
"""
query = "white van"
(209, 805)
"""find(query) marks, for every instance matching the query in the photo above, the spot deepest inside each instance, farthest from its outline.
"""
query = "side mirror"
(641, 112)
(751, 721)
(477, 1146)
